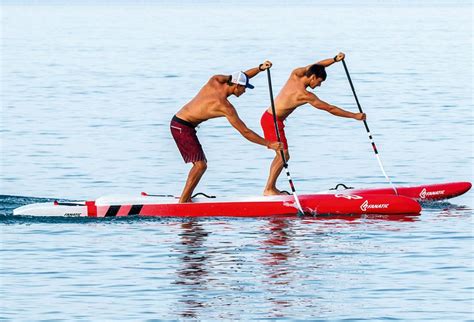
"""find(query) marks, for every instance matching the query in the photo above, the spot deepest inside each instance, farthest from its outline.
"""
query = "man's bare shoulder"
(294, 84)
(308, 96)
(298, 72)
(214, 85)
(298, 94)
(220, 79)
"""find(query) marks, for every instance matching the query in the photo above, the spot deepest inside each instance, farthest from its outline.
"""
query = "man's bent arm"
(254, 71)
(328, 62)
(301, 71)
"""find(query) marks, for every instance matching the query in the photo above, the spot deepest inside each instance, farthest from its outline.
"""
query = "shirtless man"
(293, 95)
(211, 102)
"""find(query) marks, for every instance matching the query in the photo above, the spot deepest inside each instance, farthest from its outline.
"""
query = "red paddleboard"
(382, 201)
(271, 206)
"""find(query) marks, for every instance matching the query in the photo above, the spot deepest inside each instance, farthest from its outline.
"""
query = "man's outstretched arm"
(334, 110)
(239, 125)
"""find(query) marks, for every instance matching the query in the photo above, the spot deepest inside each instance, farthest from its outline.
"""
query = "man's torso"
(292, 95)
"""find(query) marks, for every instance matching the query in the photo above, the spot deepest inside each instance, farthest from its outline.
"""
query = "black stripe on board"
(135, 210)
(112, 211)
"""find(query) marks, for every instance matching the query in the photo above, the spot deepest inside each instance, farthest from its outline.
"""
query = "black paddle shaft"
(367, 128)
(358, 105)
(355, 95)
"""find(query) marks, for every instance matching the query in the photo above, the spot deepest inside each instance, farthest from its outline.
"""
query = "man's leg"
(195, 174)
(275, 170)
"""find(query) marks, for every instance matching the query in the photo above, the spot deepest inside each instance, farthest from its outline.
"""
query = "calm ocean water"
(87, 92)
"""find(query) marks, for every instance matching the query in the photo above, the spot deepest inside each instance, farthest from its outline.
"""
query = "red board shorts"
(184, 134)
(269, 132)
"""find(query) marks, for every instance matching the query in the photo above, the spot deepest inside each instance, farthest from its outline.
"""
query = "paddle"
(285, 164)
(367, 128)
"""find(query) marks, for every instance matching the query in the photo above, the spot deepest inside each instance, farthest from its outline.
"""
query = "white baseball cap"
(241, 78)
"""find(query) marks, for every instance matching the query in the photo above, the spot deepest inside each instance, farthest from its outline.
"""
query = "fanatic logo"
(424, 193)
(366, 206)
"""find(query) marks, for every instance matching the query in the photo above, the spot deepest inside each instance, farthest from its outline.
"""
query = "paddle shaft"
(367, 128)
(282, 154)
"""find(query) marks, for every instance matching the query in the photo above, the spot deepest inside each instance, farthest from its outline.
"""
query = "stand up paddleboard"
(348, 202)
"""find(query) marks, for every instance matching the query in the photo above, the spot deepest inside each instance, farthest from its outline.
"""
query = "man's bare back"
(210, 102)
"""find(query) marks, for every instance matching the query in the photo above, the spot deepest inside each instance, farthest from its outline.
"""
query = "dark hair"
(317, 70)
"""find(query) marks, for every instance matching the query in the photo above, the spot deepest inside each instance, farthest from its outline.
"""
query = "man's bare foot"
(185, 201)
(272, 192)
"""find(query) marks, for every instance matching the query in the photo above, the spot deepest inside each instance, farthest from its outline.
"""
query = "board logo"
(424, 193)
(72, 214)
(350, 197)
(365, 206)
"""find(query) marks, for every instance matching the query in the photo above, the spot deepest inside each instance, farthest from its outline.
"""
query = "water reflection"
(292, 247)
(264, 264)
(193, 275)
(277, 251)
(276, 247)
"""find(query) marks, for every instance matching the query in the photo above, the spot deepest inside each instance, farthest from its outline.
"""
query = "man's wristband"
(260, 67)
(335, 59)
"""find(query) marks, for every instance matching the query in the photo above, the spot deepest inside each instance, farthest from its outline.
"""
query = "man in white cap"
(211, 102)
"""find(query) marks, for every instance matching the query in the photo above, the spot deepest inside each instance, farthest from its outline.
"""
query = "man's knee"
(286, 154)
(201, 165)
